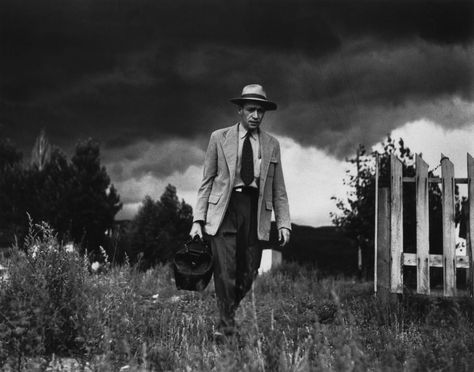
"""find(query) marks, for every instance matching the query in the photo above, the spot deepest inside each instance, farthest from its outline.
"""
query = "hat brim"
(267, 105)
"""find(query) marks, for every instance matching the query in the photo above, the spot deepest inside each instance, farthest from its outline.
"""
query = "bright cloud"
(432, 140)
(135, 190)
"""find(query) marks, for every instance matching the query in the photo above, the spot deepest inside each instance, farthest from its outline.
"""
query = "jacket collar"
(230, 147)
(266, 151)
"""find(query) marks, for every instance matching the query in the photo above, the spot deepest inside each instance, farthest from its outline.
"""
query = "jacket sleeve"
(209, 173)
(280, 197)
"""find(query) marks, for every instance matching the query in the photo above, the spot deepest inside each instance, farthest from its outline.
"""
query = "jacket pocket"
(268, 205)
(271, 167)
(214, 199)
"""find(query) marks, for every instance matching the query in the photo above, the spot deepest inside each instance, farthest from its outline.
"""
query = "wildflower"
(174, 299)
(104, 254)
(69, 248)
(34, 250)
(95, 266)
(155, 296)
(3, 273)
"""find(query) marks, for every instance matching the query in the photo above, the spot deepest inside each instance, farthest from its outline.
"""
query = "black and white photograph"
(250, 185)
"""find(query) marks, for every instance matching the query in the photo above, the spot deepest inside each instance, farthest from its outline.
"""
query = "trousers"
(237, 254)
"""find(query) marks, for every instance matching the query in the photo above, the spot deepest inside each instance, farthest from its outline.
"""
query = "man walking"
(242, 183)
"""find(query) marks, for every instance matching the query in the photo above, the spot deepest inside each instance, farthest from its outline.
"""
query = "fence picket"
(396, 225)
(390, 229)
(449, 233)
(470, 225)
(422, 227)
(383, 241)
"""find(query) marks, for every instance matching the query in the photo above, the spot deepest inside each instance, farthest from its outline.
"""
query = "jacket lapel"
(230, 147)
(267, 151)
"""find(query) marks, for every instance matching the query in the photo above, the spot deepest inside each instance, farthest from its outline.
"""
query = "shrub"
(44, 302)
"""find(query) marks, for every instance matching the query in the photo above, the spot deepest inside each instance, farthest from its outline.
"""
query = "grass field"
(294, 320)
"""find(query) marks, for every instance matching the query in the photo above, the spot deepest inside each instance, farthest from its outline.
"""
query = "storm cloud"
(151, 80)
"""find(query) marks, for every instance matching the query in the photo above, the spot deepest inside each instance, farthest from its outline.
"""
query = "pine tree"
(159, 228)
(56, 193)
(12, 193)
(10, 156)
(76, 198)
(145, 231)
(94, 200)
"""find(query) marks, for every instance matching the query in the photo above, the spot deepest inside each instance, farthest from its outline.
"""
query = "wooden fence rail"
(391, 258)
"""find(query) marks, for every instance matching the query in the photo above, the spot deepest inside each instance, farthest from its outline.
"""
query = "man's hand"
(196, 229)
(283, 236)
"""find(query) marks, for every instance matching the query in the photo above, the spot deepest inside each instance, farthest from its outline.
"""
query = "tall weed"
(44, 301)
(293, 320)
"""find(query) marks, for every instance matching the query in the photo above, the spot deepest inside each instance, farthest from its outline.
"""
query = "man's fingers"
(196, 230)
(283, 237)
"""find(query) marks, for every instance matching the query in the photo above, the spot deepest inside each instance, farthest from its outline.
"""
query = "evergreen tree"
(55, 192)
(145, 231)
(159, 228)
(94, 201)
(76, 198)
(10, 156)
(12, 193)
(174, 222)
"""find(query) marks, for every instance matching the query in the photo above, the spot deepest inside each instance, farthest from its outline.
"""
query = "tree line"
(76, 197)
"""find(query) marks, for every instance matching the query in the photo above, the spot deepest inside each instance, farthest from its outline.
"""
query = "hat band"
(253, 95)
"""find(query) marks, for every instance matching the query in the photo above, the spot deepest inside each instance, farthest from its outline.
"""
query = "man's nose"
(255, 114)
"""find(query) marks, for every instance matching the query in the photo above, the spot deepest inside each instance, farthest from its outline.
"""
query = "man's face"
(251, 115)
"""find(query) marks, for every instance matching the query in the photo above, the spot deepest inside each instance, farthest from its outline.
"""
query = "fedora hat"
(254, 93)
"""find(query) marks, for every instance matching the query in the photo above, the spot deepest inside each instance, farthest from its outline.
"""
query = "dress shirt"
(257, 158)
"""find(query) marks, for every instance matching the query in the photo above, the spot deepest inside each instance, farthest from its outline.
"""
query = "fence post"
(470, 225)
(396, 224)
(422, 228)
(383, 244)
(449, 233)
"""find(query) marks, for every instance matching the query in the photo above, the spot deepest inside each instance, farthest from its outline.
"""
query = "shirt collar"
(243, 132)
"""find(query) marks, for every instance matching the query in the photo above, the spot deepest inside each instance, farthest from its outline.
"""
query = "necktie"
(246, 166)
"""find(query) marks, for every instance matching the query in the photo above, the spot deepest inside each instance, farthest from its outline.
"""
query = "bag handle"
(196, 239)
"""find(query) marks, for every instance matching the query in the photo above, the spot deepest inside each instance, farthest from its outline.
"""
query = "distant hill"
(328, 247)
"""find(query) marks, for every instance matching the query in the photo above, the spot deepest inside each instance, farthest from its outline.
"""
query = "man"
(242, 183)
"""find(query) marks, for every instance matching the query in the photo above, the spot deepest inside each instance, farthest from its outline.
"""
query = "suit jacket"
(218, 180)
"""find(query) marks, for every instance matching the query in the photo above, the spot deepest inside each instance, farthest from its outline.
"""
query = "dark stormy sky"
(151, 79)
